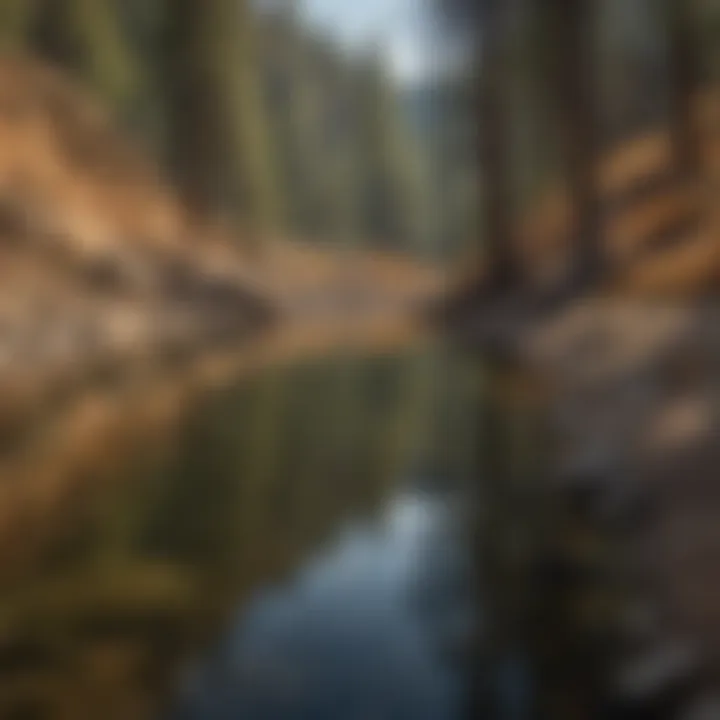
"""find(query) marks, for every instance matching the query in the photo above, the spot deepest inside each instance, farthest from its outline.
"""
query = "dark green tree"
(294, 101)
(685, 76)
(573, 81)
(218, 146)
(391, 185)
(502, 266)
(16, 17)
(86, 37)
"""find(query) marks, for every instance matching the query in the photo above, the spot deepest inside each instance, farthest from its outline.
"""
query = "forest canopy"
(258, 119)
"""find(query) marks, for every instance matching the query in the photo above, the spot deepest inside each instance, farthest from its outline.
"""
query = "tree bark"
(501, 260)
(684, 82)
(573, 78)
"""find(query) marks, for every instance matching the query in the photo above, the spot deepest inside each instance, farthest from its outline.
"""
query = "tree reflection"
(250, 478)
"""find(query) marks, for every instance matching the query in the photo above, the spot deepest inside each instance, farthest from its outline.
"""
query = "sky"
(403, 29)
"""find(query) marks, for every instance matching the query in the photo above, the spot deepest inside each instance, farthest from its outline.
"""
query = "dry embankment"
(96, 257)
(99, 263)
(630, 392)
(659, 229)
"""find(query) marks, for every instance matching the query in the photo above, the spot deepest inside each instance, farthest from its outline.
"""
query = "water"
(293, 544)
(360, 632)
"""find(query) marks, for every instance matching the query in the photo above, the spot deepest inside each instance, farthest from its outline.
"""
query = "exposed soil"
(100, 266)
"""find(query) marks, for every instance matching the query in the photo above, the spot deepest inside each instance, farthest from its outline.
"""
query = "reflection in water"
(352, 635)
(313, 542)
(184, 505)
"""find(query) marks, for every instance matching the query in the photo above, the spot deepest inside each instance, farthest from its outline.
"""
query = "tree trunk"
(501, 260)
(573, 78)
(217, 143)
(86, 38)
(684, 82)
(195, 143)
(16, 17)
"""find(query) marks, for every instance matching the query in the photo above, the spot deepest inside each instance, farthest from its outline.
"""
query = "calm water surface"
(291, 545)
(364, 630)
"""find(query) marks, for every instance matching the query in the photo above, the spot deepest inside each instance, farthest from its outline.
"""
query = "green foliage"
(142, 23)
(87, 37)
(15, 20)
(218, 147)
(258, 119)
(444, 113)
(335, 181)
(391, 176)
(294, 102)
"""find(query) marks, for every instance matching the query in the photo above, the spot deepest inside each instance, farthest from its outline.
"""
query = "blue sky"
(402, 29)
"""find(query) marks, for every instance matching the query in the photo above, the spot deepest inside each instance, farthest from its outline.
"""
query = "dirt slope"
(100, 264)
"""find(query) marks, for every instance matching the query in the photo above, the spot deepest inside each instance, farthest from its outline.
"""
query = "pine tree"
(574, 86)
(293, 101)
(335, 139)
(86, 37)
(16, 17)
(494, 155)
(391, 189)
(217, 136)
(142, 25)
(684, 83)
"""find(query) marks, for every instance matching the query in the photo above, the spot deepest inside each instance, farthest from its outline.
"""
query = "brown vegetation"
(89, 233)
(656, 222)
(659, 229)
(100, 263)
